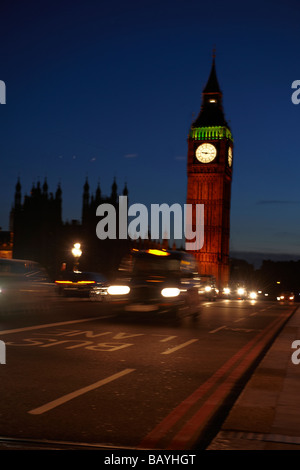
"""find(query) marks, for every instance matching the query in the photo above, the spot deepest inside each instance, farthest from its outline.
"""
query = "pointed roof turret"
(211, 112)
(58, 193)
(38, 189)
(18, 193)
(212, 85)
(18, 185)
(125, 190)
(45, 187)
(98, 194)
(114, 193)
(86, 186)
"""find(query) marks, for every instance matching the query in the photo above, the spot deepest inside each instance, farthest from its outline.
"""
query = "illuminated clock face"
(230, 156)
(206, 153)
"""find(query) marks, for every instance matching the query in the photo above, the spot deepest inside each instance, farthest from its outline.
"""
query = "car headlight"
(118, 290)
(207, 288)
(241, 291)
(170, 292)
(226, 290)
(252, 295)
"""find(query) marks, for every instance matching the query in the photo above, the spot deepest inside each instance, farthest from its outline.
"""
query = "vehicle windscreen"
(155, 266)
(150, 265)
(207, 280)
(76, 276)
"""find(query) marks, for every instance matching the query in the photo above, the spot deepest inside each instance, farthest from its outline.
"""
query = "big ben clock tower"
(209, 170)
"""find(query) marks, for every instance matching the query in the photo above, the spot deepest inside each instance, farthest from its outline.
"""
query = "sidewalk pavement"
(266, 416)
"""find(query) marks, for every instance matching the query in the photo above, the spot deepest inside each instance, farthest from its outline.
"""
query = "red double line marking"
(191, 430)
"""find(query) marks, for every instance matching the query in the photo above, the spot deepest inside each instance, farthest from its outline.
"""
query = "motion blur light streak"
(170, 292)
(118, 290)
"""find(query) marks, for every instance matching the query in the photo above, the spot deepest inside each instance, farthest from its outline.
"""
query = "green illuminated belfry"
(210, 133)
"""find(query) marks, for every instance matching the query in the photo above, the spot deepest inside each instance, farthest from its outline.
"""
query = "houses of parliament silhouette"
(40, 234)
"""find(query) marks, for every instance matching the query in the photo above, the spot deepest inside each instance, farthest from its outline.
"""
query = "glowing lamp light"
(76, 251)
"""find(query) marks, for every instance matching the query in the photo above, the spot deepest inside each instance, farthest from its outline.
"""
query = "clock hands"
(206, 153)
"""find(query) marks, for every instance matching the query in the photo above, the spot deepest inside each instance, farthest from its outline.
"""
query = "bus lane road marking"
(70, 337)
(70, 396)
(49, 325)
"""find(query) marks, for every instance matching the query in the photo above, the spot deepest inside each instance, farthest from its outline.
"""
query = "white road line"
(183, 345)
(77, 393)
(218, 329)
(49, 325)
(168, 338)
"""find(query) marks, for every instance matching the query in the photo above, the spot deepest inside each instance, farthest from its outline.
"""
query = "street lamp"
(76, 252)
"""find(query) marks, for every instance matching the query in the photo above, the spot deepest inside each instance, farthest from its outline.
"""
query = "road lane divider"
(70, 396)
(180, 346)
(191, 428)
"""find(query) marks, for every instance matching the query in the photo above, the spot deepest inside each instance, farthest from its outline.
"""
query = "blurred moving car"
(156, 281)
(85, 284)
(23, 283)
(286, 297)
(235, 290)
(208, 287)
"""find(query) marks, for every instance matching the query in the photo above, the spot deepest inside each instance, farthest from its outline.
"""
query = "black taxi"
(158, 281)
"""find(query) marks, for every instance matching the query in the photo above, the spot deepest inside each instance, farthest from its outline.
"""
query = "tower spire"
(212, 85)
(214, 52)
(211, 112)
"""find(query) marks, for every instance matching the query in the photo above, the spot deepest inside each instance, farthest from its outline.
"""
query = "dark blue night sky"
(109, 89)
